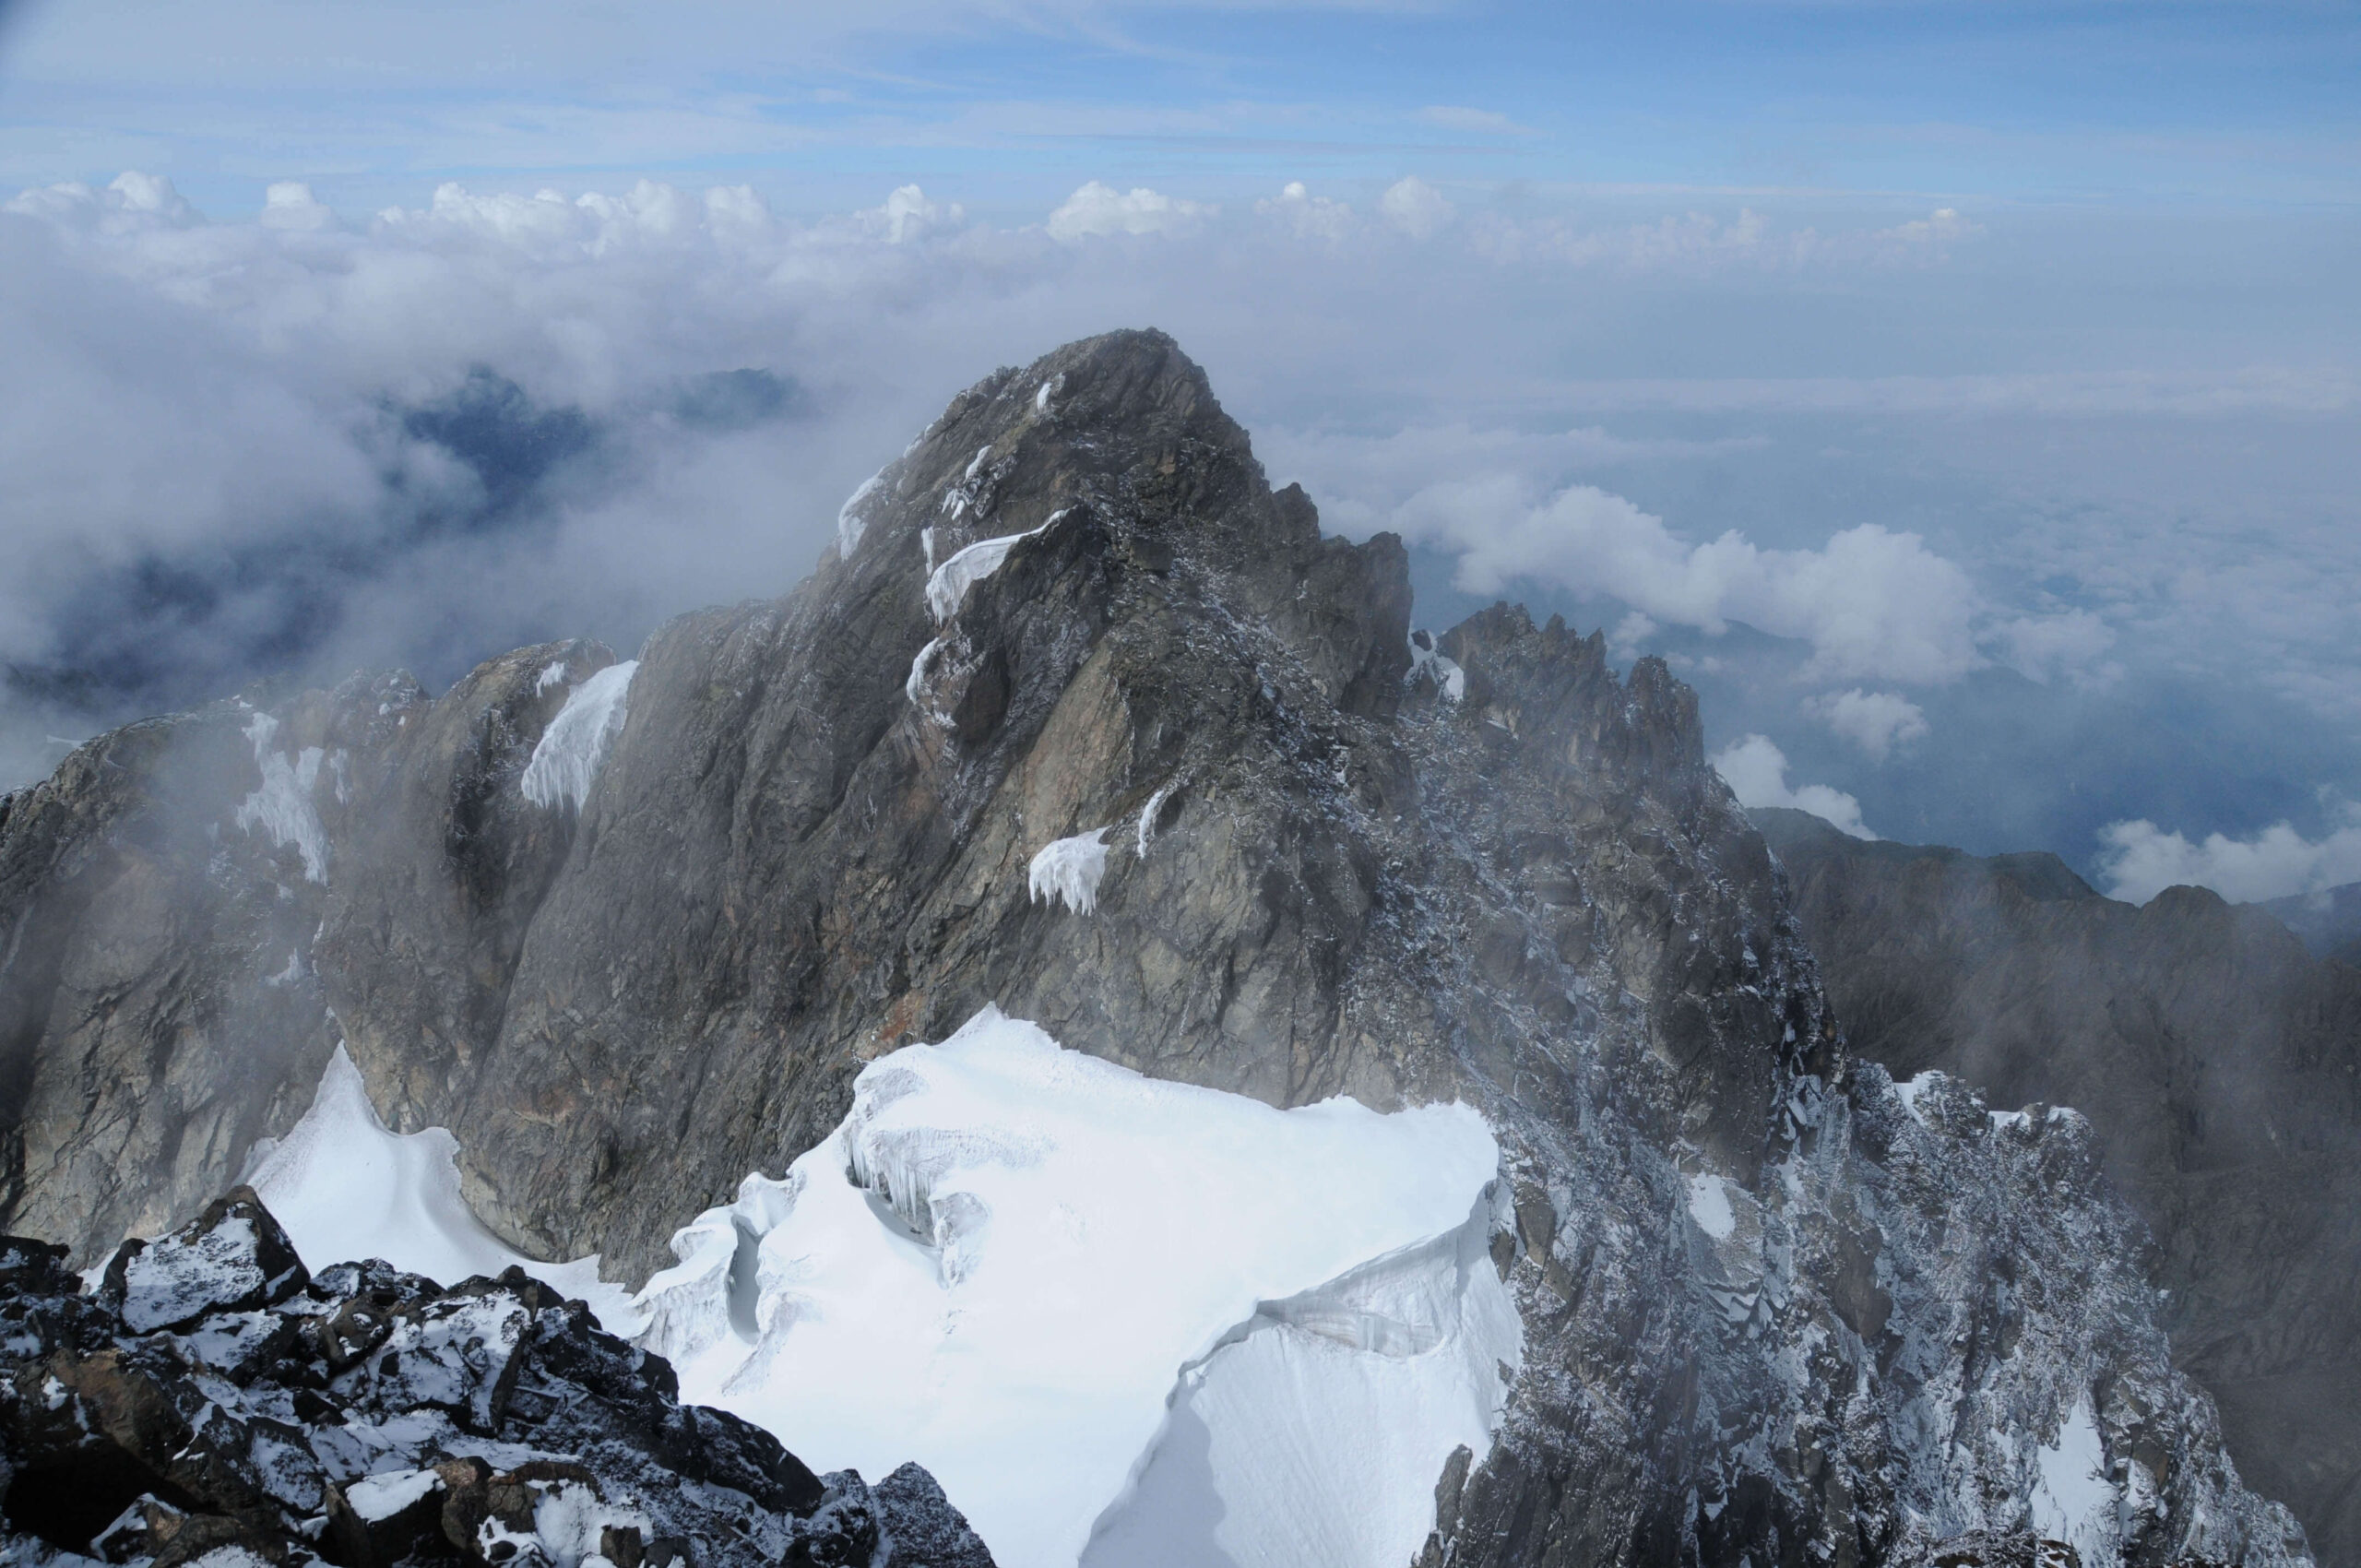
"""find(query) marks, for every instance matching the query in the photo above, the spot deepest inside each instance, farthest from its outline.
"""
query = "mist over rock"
(2220, 1065)
(1776, 1309)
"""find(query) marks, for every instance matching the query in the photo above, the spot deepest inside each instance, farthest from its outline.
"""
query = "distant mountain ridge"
(2328, 921)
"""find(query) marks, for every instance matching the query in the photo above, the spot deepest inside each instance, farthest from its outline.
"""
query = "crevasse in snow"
(1069, 870)
(567, 759)
(344, 1188)
(1085, 1300)
(283, 807)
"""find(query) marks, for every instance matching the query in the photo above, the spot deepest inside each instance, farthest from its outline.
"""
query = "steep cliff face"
(1083, 721)
(2220, 1065)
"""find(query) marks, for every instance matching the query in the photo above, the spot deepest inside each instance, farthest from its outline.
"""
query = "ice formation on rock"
(343, 1186)
(283, 807)
(1069, 871)
(850, 523)
(567, 759)
(1083, 1299)
(947, 585)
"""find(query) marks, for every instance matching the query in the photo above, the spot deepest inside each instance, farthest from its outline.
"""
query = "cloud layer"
(1756, 771)
(2141, 860)
(305, 440)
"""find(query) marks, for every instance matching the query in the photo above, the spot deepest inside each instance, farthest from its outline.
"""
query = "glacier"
(1093, 1303)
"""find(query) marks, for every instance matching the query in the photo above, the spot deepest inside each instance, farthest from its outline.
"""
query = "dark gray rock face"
(2220, 1065)
(370, 1417)
(1775, 1310)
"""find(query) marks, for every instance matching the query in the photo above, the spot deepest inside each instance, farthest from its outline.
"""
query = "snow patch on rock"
(343, 1186)
(567, 759)
(283, 807)
(2073, 1499)
(1040, 1273)
(1709, 1206)
(1069, 871)
(1448, 678)
(947, 585)
(850, 522)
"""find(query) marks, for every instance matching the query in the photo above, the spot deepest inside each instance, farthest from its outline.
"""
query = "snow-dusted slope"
(344, 1187)
(1092, 1302)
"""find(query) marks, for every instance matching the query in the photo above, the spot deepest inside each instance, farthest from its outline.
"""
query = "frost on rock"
(947, 585)
(1448, 678)
(566, 760)
(1047, 1279)
(344, 1186)
(1069, 870)
(552, 673)
(282, 807)
(851, 520)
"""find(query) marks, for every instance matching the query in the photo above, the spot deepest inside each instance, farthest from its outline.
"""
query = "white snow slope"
(1124, 1322)
(566, 761)
(343, 1187)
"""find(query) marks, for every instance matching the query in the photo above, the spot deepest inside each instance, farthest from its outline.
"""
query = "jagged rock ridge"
(2220, 1065)
(214, 1402)
(1774, 1312)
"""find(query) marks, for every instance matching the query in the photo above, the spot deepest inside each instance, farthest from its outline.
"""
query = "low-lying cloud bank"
(300, 442)
(306, 441)
(2141, 860)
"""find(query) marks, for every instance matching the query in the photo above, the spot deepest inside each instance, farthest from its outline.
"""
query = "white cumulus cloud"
(1756, 771)
(1414, 207)
(1098, 208)
(1307, 216)
(1875, 721)
(2141, 860)
(1871, 603)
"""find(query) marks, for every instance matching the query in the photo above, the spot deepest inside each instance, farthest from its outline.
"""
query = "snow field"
(1084, 1298)
(567, 759)
(344, 1188)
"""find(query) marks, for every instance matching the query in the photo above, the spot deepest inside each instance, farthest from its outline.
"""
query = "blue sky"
(2233, 106)
(1967, 397)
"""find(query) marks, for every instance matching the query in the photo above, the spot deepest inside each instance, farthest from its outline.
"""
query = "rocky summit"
(1081, 719)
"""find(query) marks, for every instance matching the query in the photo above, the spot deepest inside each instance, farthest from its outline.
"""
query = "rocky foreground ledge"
(212, 1401)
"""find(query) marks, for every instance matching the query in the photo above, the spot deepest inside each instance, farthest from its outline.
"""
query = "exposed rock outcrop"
(1775, 1310)
(213, 1395)
(2220, 1066)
